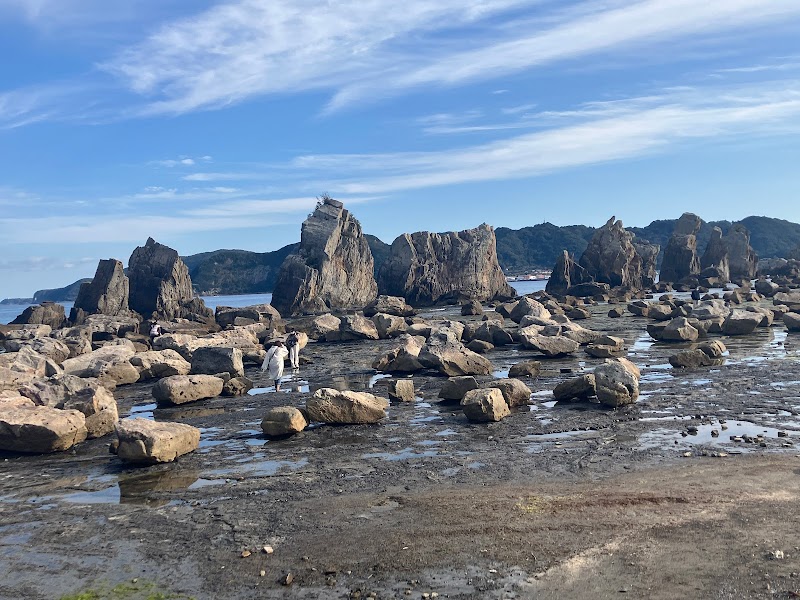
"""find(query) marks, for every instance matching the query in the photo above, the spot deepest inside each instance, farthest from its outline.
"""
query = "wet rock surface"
(556, 485)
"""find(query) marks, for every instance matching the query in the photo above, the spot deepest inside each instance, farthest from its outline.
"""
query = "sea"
(9, 312)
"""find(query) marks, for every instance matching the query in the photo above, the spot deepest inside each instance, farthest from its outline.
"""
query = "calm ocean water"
(9, 312)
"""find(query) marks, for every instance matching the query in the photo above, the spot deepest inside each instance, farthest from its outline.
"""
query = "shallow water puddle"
(703, 435)
(404, 454)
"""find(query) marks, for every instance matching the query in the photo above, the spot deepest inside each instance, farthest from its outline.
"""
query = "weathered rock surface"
(333, 268)
(680, 257)
(792, 321)
(485, 405)
(237, 386)
(160, 285)
(282, 421)
(715, 261)
(40, 429)
(471, 308)
(605, 346)
(146, 442)
(55, 391)
(390, 305)
(528, 368)
(611, 257)
(679, 329)
(555, 345)
(446, 354)
(109, 364)
(528, 307)
(345, 407)
(20, 368)
(514, 391)
(741, 322)
(402, 390)
(456, 388)
(98, 406)
(180, 389)
(389, 325)
(617, 382)
(705, 355)
(430, 268)
(577, 388)
(566, 274)
(106, 294)
(404, 358)
(211, 360)
(354, 327)
(158, 364)
(742, 258)
(265, 314)
(49, 347)
(46, 313)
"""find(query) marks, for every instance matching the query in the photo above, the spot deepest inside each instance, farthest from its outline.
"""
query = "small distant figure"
(273, 363)
(155, 331)
(293, 344)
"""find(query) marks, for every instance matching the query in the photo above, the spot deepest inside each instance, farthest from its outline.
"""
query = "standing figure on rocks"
(293, 344)
(155, 331)
(273, 363)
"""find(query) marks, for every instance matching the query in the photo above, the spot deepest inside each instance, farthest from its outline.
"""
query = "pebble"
(714, 433)
(262, 573)
(777, 555)
(783, 434)
(246, 553)
(288, 579)
(267, 550)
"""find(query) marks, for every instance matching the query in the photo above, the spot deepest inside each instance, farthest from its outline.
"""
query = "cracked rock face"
(680, 257)
(332, 269)
(106, 294)
(160, 285)
(432, 268)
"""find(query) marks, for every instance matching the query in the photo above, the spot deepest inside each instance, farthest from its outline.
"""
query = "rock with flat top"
(455, 388)
(402, 390)
(617, 382)
(180, 389)
(514, 391)
(577, 388)
(146, 442)
(485, 405)
(345, 407)
(98, 406)
(283, 421)
(40, 429)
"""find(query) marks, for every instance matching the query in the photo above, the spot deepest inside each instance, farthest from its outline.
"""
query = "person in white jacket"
(273, 363)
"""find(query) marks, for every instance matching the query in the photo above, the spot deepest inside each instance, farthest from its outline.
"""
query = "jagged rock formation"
(332, 269)
(680, 257)
(46, 313)
(612, 257)
(742, 258)
(106, 294)
(566, 273)
(714, 262)
(160, 285)
(648, 254)
(431, 268)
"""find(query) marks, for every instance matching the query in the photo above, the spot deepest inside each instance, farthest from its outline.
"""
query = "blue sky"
(209, 124)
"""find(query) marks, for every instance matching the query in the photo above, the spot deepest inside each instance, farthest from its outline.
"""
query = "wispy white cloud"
(181, 161)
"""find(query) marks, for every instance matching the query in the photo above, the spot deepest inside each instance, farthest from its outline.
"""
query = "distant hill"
(539, 246)
(65, 294)
(224, 272)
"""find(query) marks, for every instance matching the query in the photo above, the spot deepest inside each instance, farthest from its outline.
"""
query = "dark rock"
(680, 257)
(46, 313)
(389, 305)
(106, 294)
(566, 274)
(266, 314)
(528, 368)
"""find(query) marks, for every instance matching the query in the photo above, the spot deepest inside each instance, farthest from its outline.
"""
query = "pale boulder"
(282, 421)
(485, 405)
(345, 407)
(98, 406)
(40, 429)
(142, 441)
(180, 389)
(617, 382)
(157, 364)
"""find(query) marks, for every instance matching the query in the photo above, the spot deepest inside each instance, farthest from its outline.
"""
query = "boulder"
(528, 307)
(403, 359)
(57, 390)
(98, 406)
(528, 368)
(389, 305)
(617, 382)
(471, 308)
(265, 314)
(109, 364)
(742, 258)
(680, 257)
(433, 268)
(556, 345)
(485, 405)
(213, 360)
(706, 354)
(514, 391)
(180, 389)
(456, 388)
(616, 312)
(237, 386)
(790, 299)
(577, 388)
(443, 352)
(333, 267)
(678, 330)
(402, 390)
(146, 442)
(20, 368)
(766, 288)
(50, 348)
(320, 326)
(157, 364)
(40, 429)
(589, 290)
(354, 327)
(160, 285)
(741, 322)
(283, 421)
(480, 347)
(710, 309)
(107, 293)
(389, 325)
(606, 346)
(46, 313)
(345, 407)
(715, 262)
(493, 333)
(792, 321)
